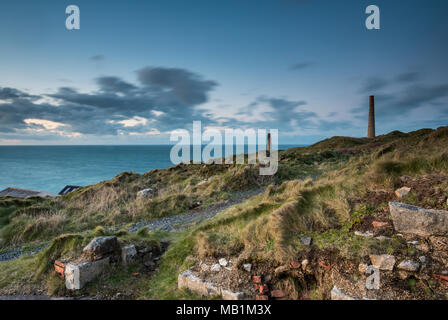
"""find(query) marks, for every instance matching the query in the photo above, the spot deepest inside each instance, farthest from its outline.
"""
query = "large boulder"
(101, 246)
(418, 221)
(78, 275)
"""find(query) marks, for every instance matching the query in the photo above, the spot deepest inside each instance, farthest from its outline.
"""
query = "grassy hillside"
(326, 191)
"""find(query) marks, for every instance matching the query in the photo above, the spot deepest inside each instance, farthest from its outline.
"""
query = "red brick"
(256, 279)
(294, 264)
(263, 289)
(59, 267)
(59, 264)
(379, 224)
(324, 265)
(278, 294)
(441, 278)
(136, 274)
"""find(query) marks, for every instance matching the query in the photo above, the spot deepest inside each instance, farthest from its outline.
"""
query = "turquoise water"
(50, 168)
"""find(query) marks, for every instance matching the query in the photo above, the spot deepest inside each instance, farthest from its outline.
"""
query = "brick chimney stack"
(268, 148)
(371, 129)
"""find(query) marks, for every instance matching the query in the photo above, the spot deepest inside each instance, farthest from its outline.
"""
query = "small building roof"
(25, 193)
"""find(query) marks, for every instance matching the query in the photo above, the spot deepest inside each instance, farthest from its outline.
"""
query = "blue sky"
(137, 70)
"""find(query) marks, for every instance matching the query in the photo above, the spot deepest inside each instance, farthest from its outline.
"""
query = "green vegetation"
(324, 191)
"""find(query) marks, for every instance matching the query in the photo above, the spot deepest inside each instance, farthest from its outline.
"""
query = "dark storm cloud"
(175, 92)
(286, 116)
(408, 77)
(11, 93)
(176, 86)
(114, 84)
(409, 96)
(373, 84)
(98, 57)
(300, 66)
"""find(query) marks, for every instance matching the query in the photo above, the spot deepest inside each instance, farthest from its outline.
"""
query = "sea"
(51, 168)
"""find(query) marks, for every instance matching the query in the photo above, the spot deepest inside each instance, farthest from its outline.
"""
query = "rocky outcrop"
(187, 280)
(418, 221)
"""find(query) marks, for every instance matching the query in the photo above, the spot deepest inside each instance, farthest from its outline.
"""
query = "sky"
(137, 70)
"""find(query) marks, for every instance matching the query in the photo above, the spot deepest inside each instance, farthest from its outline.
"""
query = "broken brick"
(278, 294)
(324, 265)
(379, 224)
(261, 297)
(256, 279)
(59, 267)
(263, 289)
(136, 274)
(441, 278)
(294, 264)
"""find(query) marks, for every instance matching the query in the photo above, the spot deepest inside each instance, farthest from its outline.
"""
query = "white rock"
(78, 275)
(383, 262)
(382, 238)
(362, 268)
(145, 193)
(305, 263)
(409, 265)
(414, 243)
(337, 294)
(189, 281)
(216, 267)
(247, 267)
(367, 234)
(230, 295)
(205, 267)
(422, 259)
(223, 262)
(400, 193)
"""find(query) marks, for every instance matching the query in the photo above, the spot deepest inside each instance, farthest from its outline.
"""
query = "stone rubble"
(419, 221)
(383, 262)
(247, 267)
(187, 280)
(306, 241)
(337, 294)
(223, 262)
(216, 268)
(409, 265)
(402, 192)
(367, 234)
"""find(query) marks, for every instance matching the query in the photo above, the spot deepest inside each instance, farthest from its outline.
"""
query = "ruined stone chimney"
(268, 147)
(371, 129)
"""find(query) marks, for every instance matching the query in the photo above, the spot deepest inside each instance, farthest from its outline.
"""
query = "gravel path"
(165, 224)
(15, 253)
(180, 221)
